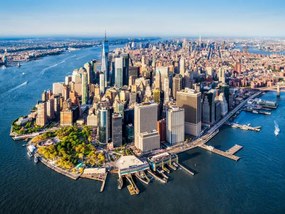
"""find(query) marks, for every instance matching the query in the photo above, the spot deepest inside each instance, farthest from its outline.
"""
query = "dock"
(186, 170)
(245, 127)
(234, 149)
(156, 177)
(102, 177)
(103, 182)
(132, 187)
(228, 154)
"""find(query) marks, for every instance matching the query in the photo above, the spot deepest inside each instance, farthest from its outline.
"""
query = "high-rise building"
(161, 128)
(166, 90)
(175, 125)
(41, 119)
(156, 95)
(103, 125)
(66, 115)
(119, 71)
(126, 65)
(105, 64)
(102, 83)
(50, 109)
(117, 133)
(57, 88)
(84, 88)
(176, 85)
(146, 135)
(222, 77)
(208, 107)
(190, 100)
(89, 72)
(182, 66)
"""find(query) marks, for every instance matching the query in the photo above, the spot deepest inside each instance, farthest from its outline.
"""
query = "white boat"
(277, 129)
(36, 159)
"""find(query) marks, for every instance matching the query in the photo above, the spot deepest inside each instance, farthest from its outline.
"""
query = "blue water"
(255, 184)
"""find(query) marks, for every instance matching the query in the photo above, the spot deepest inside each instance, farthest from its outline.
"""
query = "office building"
(41, 118)
(117, 133)
(175, 125)
(146, 135)
(103, 125)
(190, 100)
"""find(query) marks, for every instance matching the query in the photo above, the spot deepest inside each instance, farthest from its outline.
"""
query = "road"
(185, 146)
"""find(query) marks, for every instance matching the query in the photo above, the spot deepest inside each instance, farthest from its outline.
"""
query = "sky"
(248, 18)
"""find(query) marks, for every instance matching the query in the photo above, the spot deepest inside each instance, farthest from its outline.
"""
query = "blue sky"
(143, 17)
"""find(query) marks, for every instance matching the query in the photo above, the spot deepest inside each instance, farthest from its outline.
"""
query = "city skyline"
(128, 18)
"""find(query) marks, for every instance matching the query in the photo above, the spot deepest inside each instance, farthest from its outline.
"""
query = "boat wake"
(56, 64)
(17, 87)
(277, 129)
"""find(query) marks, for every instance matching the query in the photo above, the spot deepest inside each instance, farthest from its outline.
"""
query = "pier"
(186, 170)
(156, 177)
(228, 154)
(234, 149)
(245, 127)
(98, 174)
(132, 187)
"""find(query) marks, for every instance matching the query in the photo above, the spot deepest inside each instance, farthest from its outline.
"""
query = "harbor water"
(255, 184)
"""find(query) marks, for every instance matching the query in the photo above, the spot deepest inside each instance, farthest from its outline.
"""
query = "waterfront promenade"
(204, 139)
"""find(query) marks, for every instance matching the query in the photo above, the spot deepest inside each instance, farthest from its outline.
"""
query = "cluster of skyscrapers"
(145, 95)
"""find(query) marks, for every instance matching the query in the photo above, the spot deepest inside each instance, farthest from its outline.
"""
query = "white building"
(175, 125)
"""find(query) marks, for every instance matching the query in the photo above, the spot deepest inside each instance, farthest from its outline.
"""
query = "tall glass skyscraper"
(104, 66)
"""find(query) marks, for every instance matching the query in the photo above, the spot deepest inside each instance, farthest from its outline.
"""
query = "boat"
(36, 159)
(18, 65)
(277, 129)
(29, 154)
(24, 144)
(120, 183)
(142, 177)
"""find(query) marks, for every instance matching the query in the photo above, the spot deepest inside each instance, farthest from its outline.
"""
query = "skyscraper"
(105, 64)
(103, 125)
(146, 135)
(119, 72)
(117, 132)
(41, 119)
(84, 86)
(182, 66)
(175, 125)
(190, 100)
(102, 83)
(126, 65)
(177, 85)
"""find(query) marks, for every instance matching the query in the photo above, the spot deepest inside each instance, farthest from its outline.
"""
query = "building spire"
(105, 35)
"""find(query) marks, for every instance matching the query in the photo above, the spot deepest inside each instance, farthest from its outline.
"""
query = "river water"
(255, 184)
